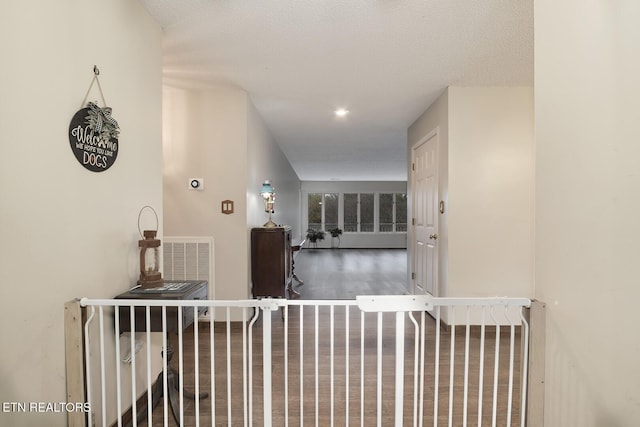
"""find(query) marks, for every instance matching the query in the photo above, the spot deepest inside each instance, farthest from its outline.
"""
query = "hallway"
(335, 362)
(347, 273)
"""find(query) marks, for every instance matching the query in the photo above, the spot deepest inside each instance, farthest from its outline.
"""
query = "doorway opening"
(368, 254)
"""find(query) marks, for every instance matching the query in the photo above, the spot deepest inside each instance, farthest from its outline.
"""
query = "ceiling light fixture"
(341, 112)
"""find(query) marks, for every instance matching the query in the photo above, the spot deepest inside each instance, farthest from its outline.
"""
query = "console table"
(170, 290)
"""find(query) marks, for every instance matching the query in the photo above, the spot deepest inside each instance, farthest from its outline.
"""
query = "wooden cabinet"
(271, 268)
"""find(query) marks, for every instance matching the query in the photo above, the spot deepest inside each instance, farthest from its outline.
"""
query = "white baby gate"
(375, 360)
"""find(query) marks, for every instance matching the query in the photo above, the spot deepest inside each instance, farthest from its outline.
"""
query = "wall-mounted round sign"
(95, 150)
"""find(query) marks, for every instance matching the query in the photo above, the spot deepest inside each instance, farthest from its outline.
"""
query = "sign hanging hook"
(96, 73)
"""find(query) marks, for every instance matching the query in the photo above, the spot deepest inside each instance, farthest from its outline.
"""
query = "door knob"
(433, 236)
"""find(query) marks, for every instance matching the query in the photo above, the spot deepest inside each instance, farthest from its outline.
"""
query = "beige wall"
(67, 232)
(216, 134)
(490, 208)
(205, 136)
(588, 208)
(486, 161)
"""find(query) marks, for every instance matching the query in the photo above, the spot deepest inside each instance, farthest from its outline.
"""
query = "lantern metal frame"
(150, 277)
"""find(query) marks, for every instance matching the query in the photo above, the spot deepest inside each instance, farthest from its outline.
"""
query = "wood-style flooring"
(347, 273)
(333, 274)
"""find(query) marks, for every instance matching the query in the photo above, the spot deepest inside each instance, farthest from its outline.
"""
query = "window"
(314, 208)
(386, 212)
(401, 212)
(330, 211)
(322, 210)
(350, 212)
(393, 212)
(358, 212)
(366, 212)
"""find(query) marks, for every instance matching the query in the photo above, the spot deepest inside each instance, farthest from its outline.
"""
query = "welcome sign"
(93, 137)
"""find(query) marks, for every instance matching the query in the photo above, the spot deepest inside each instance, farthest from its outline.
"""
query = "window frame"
(394, 212)
(341, 211)
(323, 194)
(359, 212)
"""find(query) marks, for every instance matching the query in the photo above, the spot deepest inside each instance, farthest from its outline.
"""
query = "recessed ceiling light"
(341, 112)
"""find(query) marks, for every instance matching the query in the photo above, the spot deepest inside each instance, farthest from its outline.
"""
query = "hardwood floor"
(347, 273)
(362, 363)
(343, 274)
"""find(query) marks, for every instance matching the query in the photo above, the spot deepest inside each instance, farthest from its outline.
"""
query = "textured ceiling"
(385, 61)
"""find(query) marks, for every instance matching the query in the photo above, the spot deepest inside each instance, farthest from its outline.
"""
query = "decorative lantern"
(150, 276)
(268, 194)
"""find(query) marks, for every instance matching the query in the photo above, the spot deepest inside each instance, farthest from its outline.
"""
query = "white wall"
(588, 208)
(267, 161)
(67, 232)
(434, 119)
(486, 159)
(354, 240)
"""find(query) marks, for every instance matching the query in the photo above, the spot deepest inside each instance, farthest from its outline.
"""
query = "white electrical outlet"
(196, 183)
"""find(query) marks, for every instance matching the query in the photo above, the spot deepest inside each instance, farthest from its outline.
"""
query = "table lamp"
(268, 194)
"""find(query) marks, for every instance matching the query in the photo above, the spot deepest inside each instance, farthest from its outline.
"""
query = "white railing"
(375, 360)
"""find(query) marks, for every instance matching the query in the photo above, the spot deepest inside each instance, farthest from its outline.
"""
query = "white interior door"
(425, 215)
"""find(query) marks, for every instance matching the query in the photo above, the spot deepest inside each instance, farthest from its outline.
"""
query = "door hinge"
(413, 276)
(413, 221)
(413, 166)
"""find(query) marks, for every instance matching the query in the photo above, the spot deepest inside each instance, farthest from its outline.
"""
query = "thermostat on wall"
(196, 183)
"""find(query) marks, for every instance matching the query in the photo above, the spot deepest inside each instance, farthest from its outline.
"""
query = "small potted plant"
(315, 235)
(335, 234)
